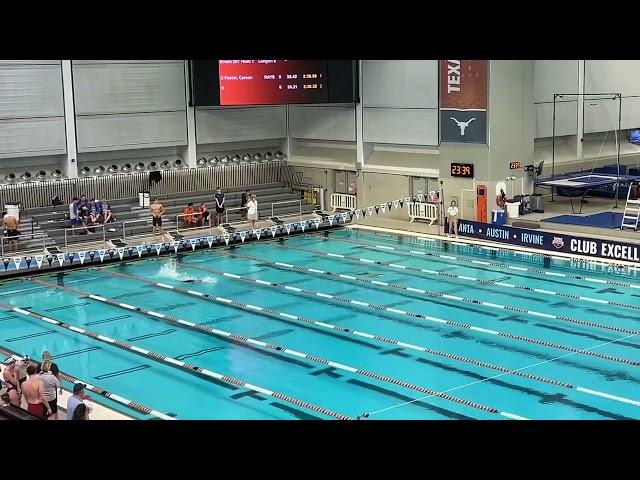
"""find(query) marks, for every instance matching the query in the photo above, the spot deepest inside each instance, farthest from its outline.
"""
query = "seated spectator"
(5, 401)
(189, 219)
(107, 214)
(204, 214)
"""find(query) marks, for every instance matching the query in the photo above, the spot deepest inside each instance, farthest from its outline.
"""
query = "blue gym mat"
(601, 220)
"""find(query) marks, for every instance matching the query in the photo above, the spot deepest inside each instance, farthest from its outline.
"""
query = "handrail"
(179, 215)
(227, 210)
(284, 202)
(33, 235)
(67, 230)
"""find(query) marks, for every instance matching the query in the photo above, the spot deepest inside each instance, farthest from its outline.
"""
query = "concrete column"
(359, 140)
(71, 166)
(191, 150)
(580, 109)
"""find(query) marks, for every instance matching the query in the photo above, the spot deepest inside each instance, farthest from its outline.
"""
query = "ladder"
(631, 214)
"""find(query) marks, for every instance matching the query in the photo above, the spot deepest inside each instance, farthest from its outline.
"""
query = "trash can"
(143, 199)
(13, 209)
(513, 209)
(498, 217)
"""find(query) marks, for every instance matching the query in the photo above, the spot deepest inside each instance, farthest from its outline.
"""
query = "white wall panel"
(31, 91)
(128, 88)
(400, 126)
(566, 119)
(134, 130)
(322, 123)
(400, 83)
(31, 137)
(240, 124)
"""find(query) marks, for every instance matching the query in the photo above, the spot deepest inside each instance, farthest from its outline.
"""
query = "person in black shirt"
(219, 198)
(243, 203)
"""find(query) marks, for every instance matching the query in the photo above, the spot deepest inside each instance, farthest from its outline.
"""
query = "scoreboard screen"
(273, 82)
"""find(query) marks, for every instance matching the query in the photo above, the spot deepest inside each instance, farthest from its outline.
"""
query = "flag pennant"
(317, 222)
(273, 229)
(288, 227)
(226, 238)
(28, 260)
(149, 248)
(210, 241)
(39, 259)
(401, 202)
(120, 252)
(17, 261)
(139, 248)
(303, 224)
(50, 259)
(395, 204)
(71, 257)
(331, 219)
(158, 248)
(101, 254)
(377, 209)
(5, 261)
(357, 212)
(383, 206)
(175, 245)
(344, 217)
(243, 234)
(257, 233)
(192, 241)
(92, 255)
(420, 197)
(81, 256)
(60, 257)
(370, 210)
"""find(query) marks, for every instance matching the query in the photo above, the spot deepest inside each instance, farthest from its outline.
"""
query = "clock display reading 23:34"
(464, 170)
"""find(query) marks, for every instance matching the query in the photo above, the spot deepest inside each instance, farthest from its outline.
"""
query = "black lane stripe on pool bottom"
(107, 320)
(65, 307)
(75, 352)
(31, 335)
(119, 373)
(151, 335)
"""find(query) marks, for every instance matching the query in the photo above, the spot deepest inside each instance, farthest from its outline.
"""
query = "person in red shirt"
(501, 199)
(204, 214)
(189, 218)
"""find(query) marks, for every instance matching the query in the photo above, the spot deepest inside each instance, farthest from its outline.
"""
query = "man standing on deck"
(33, 393)
(11, 226)
(157, 210)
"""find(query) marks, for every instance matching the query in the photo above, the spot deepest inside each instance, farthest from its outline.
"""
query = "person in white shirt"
(452, 212)
(252, 211)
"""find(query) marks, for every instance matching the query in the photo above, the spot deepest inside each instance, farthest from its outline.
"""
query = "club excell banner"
(463, 101)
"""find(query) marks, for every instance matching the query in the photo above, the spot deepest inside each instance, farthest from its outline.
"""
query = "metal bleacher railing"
(123, 186)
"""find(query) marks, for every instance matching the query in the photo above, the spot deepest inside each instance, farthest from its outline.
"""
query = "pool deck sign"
(553, 242)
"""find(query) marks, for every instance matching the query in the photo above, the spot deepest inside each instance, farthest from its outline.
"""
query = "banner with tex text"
(551, 241)
(463, 101)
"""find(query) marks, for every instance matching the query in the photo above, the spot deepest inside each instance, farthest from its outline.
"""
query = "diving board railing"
(343, 201)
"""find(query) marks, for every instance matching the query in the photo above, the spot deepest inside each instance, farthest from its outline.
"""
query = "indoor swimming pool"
(346, 324)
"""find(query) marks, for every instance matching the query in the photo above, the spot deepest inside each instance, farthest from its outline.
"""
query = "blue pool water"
(540, 332)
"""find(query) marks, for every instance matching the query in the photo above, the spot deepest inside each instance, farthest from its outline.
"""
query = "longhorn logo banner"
(101, 254)
(17, 261)
(192, 241)
(317, 222)
(39, 259)
(463, 100)
(273, 229)
(288, 227)
(120, 252)
(257, 233)
(60, 257)
(243, 234)
(210, 241)
(158, 248)
(139, 248)
(81, 256)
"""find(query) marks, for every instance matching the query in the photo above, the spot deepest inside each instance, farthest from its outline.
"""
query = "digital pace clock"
(464, 170)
